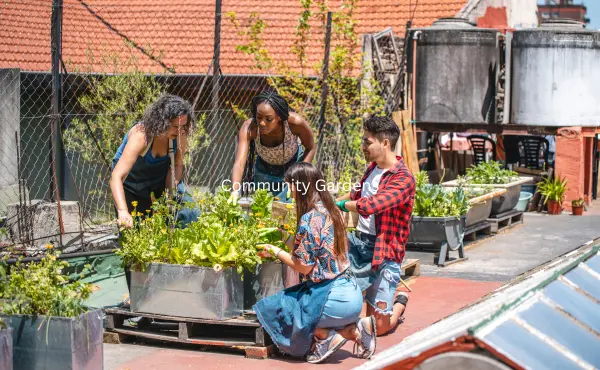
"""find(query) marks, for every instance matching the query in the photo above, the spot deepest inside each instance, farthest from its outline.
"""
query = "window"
(545, 15)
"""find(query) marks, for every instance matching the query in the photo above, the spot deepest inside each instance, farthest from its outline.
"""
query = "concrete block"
(10, 194)
(38, 224)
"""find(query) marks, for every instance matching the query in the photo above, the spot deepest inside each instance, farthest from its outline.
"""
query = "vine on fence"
(347, 103)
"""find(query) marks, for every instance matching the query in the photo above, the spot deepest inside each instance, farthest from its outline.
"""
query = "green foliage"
(577, 202)
(471, 193)
(40, 288)
(347, 102)
(255, 45)
(437, 201)
(223, 236)
(112, 105)
(490, 173)
(553, 188)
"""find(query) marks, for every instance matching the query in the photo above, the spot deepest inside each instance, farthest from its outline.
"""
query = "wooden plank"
(259, 336)
(411, 267)
(221, 342)
(408, 142)
(114, 321)
(185, 328)
(231, 322)
(477, 233)
(505, 221)
(397, 117)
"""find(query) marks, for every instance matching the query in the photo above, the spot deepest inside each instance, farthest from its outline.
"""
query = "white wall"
(520, 13)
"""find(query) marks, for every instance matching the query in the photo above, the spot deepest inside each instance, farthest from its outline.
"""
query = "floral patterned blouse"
(314, 245)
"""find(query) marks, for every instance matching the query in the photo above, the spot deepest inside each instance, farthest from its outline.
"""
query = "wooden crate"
(505, 220)
(242, 333)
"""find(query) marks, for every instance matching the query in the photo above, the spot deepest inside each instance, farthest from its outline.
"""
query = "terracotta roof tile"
(181, 32)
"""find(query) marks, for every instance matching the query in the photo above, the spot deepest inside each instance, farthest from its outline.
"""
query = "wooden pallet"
(411, 269)
(474, 233)
(242, 333)
(505, 220)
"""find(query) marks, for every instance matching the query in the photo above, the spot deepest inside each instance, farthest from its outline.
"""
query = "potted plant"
(197, 271)
(553, 189)
(577, 206)
(51, 326)
(480, 203)
(6, 346)
(439, 217)
(491, 174)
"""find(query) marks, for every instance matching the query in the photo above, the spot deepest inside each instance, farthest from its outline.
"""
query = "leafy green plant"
(490, 173)
(437, 201)
(472, 193)
(577, 202)
(553, 188)
(223, 236)
(40, 288)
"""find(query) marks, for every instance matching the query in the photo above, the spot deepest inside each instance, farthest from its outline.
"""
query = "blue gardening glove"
(342, 205)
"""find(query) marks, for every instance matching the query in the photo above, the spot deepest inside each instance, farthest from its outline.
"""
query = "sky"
(593, 12)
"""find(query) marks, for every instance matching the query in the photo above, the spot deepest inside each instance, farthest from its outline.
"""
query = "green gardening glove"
(342, 205)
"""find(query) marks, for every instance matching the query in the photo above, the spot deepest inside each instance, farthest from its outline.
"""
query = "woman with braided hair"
(269, 142)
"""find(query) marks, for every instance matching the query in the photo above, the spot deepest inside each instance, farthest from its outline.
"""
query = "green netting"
(107, 277)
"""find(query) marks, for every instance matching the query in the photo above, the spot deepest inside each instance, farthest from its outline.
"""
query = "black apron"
(146, 178)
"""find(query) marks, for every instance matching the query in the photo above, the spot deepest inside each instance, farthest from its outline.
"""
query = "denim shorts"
(265, 173)
(380, 285)
(343, 305)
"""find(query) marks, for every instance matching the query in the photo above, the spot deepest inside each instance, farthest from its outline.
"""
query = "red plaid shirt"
(392, 207)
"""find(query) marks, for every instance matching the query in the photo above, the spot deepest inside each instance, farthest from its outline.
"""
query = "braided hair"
(281, 108)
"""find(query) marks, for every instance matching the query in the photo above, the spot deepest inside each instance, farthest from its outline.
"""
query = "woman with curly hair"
(141, 166)
(279, 136)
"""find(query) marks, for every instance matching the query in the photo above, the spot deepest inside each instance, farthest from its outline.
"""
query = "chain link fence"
(82, 74)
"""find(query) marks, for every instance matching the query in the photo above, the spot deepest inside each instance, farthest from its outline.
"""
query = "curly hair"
(157, 117)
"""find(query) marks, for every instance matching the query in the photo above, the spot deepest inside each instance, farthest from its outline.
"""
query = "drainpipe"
(415, 38)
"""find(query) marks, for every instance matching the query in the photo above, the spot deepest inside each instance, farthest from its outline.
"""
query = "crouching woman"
(318, 316)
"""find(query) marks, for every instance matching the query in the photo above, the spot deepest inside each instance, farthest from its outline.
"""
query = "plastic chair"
(530, 149)
(478, 143)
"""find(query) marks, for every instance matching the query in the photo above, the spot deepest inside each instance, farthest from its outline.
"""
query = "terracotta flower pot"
(577, 210)
(554, 207)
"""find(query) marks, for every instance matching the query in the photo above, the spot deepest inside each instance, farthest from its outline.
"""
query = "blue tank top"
(147, 155)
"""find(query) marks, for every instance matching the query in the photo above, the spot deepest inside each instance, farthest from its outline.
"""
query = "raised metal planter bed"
(187, 291)
(57, 343)
(443, 233)
(6, 349)
(481, 207)
(504, 202)
(266, 279)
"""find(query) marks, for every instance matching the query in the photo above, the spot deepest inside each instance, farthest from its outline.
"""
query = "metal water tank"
(556, 75)
(456, 72)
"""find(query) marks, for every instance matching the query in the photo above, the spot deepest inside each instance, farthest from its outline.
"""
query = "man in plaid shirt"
(384, 200)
